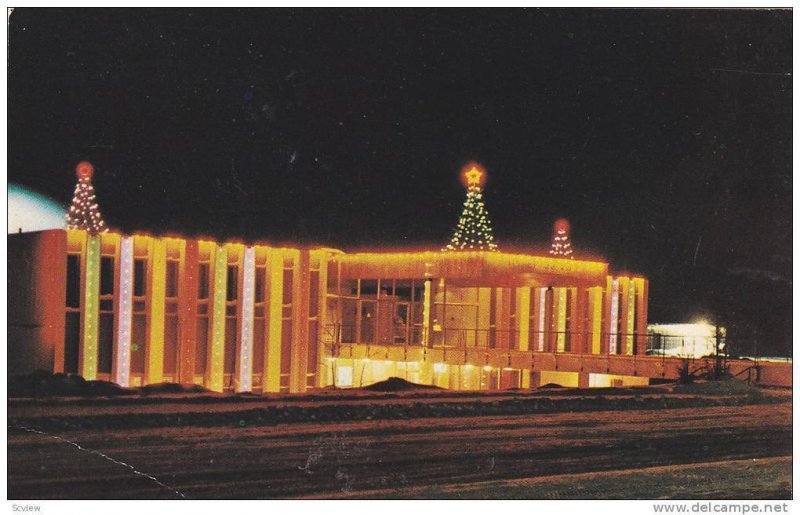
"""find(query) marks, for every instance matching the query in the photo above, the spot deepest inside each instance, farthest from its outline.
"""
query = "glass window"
(202, 288)
(106, 275)
(233, 282)
(368, 288)
(350, 287)
(139, 270)
(402, 289)
(73, 281)
(172, 279)
(368, 312)
(313, 295)
(260, 286)
(288, 277)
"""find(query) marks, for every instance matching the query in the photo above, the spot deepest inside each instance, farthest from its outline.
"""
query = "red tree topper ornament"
(84, 170)
(561, 225)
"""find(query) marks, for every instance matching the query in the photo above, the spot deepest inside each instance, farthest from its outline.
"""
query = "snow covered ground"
(701, 441)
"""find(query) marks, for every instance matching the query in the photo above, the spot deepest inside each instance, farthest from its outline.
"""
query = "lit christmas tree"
(561, 246)
(474, 230)
(83, 213)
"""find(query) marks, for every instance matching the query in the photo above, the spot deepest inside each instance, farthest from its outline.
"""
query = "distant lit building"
(685, 340)
(139, 309)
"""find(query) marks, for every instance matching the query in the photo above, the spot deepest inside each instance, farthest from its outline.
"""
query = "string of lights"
(84, 213)
(474, 230)
(561, 246)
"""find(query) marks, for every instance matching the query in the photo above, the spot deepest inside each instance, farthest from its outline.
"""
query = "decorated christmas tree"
(83, 213)
(561, 246)
(474, 230)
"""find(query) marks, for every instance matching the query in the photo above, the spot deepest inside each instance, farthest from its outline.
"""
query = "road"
(723, 451)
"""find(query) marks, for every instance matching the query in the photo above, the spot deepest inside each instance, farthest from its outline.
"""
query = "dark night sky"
(663, 136)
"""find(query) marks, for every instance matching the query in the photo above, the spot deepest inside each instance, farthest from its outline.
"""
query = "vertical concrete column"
(524, 379)
(154, 350)
(121, 364)
(549, 326)
(299, 350)
(560, 312)
(216, 351)
(641, 315)
(535, 379)
(319, 368)
(577, 309)
(630, 315)
(427, 303)
(523, 320)
(612, 324)
(596, 318)
(244, 358)
(540, 302)
(88, 353)
(187, 311)
(622, 310)
(503, 318)
(271, 380)
(49, 288)
(583, 380)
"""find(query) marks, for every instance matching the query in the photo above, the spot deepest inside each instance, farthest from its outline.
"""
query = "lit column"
(542, 318)
(630, 327)
(271, 381)
(122, 363)
(298, 364)
(88, 368)
(319, 367)
(577, 309)
(641, 315)
(426, 306)
(245, 380)
(523, 316)
(154, 363)
(596, 307)
(187, 314)
(561, 320)
(613, 317)
(216, 355)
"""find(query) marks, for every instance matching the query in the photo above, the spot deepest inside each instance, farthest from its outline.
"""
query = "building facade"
(139, 309)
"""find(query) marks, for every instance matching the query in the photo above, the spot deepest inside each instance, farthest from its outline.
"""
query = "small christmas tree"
(84, 214)
(561, 246)
(474, 230)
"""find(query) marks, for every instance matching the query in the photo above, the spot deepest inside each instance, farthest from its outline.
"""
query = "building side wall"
(36, 295)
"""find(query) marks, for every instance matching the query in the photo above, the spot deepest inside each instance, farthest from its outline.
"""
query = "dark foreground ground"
(704, 441)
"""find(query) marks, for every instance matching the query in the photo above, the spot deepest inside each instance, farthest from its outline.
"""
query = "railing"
(490, 338)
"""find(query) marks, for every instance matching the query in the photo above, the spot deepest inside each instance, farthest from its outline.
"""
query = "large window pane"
(106, 275)
(73, 281)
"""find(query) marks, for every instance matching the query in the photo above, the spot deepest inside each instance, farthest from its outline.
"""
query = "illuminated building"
(139, 309)
(685, 340)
